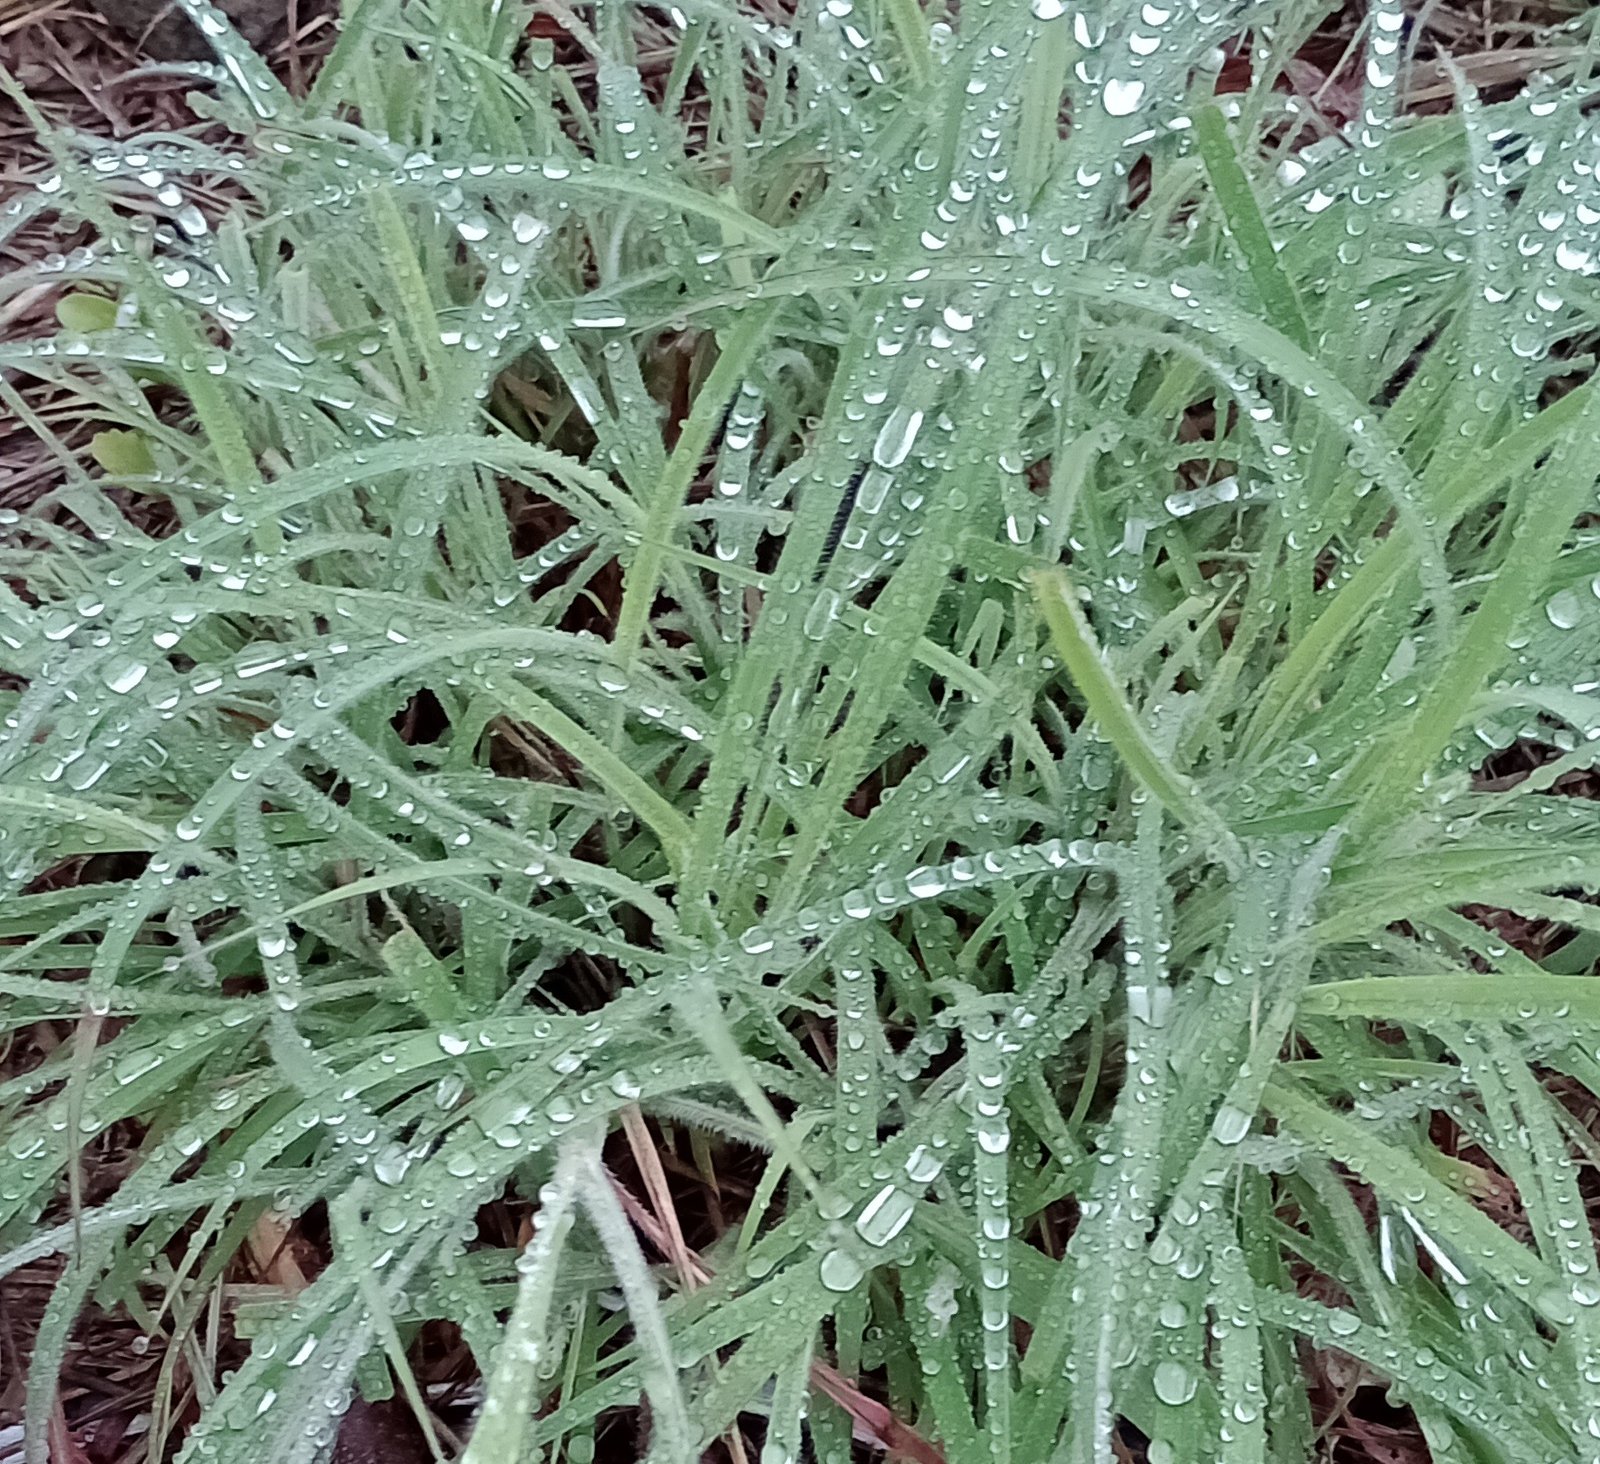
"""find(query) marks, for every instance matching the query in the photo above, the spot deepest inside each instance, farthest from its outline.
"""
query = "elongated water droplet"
(885, 1215)
(896, 436)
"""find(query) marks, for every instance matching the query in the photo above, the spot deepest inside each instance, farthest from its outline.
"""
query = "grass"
(907, 606)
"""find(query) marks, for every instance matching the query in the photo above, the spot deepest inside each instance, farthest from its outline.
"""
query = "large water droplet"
(895, 437)
(885, 1215)
(1174, 1383)
(923, 1165)
(1121, 98)
(123, 677)
(1564, 610)
(841, 1271)
(1230, 1124)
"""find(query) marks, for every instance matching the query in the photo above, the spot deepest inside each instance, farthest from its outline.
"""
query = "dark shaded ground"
(160, 31)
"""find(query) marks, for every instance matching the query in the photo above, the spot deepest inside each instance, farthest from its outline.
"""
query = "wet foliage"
(915, 594)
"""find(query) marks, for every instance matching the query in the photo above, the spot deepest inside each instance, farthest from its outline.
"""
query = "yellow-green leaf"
(86, 312)
(122, 453)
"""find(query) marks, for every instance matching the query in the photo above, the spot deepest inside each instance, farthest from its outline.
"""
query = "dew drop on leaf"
(1121, 98)
(841, 1271)
(1174, 1383)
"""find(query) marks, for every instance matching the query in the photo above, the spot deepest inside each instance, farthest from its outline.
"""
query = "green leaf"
(122, 454)
(85, 313)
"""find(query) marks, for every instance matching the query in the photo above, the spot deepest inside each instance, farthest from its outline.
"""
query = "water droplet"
(1564, 610)
(885, 1215)
(1230, 1124)
(123, 677)
(1569, 256)
(841, 1271)
(823, 612)
(625, 1085)
(923, 1165)
(391, 1165)
(896, 436)
(1121, 98)
(1174, 1383)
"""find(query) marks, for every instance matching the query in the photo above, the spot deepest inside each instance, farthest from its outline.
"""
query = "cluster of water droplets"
(987, 1066)
(888, 896)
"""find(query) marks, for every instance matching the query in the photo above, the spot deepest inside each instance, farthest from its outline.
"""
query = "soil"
(162, 31)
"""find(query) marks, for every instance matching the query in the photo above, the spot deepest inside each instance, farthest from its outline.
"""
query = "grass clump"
(916, 595)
